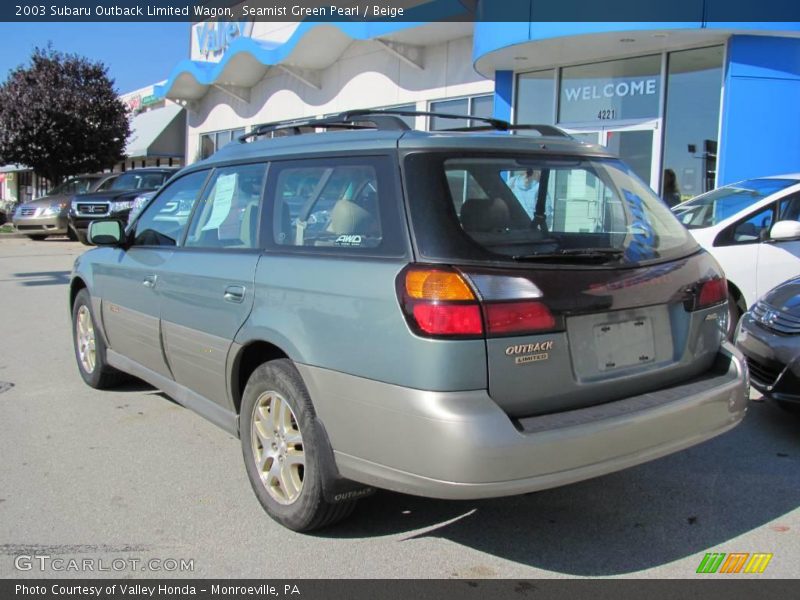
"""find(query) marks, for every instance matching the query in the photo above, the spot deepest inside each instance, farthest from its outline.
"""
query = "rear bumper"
(461, 445)
(56, 225)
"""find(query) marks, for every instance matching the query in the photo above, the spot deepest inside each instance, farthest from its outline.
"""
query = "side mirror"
(785, 230)
(107, 232)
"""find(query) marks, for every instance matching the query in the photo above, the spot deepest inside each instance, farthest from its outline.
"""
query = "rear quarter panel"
(343, 314)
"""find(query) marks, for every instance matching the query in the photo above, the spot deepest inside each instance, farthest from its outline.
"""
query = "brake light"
(443, 302)
(518, 317)
(712, 291)
(449, 319)
(439, 302)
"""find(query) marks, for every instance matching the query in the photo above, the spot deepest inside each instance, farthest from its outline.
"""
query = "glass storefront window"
(211, 142)
(410, 121)
(610, 91)
(478, 106)
(694, 86)
(536, 93)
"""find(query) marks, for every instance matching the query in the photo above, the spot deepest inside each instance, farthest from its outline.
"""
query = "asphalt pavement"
(131, 484)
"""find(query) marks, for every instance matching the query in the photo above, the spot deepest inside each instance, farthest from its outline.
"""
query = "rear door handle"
(234, 293)
(150, 281)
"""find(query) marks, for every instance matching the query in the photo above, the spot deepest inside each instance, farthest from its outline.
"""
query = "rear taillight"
(448, 319)
(710, 292)
(439, 302)
(443, 302)
(518, 317)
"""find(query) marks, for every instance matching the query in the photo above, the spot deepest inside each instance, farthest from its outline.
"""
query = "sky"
(136, 54)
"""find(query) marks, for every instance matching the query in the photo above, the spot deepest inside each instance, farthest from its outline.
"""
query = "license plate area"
(624, 344)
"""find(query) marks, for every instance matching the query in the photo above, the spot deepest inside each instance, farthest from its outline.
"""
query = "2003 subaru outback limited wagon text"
(451, 314)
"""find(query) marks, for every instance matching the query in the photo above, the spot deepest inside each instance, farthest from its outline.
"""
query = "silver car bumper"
(461, 445)
(51, 225)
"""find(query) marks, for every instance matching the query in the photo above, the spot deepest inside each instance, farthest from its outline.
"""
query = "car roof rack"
(545, 130)
(390, 120)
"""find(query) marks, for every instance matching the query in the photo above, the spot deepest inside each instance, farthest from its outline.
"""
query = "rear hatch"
(584, 286)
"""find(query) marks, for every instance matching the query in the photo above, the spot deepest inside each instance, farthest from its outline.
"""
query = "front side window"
(228, 214)
(106, 185)
(164, 220)
(530, 208)
(789, 208)
(752, 229)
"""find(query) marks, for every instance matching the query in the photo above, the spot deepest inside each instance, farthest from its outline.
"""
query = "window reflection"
(694, 85)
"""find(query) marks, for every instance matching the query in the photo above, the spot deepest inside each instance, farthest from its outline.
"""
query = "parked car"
(769, 337)
(417, 337)
(116, 200)
(752, 228)
(138, 204)
(47, 215)
(7, 208)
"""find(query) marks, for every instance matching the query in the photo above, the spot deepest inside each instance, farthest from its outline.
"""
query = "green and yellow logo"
(735, 562)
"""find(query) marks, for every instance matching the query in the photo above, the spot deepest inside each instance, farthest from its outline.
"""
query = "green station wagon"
(459, 314)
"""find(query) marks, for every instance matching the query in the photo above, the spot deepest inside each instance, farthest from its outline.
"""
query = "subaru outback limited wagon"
(453, 314)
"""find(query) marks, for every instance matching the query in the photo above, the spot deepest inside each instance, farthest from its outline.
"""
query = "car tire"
(90, 349)
(734, 314)
(287, 478)
(81, 236)
(38, 238)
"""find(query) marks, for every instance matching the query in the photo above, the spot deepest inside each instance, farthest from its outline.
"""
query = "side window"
(754, 228)
(165, 218)
(227, 217)
(789, 209)
(328, 205)
(105, 185)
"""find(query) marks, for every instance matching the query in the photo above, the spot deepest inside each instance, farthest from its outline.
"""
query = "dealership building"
(713, 102)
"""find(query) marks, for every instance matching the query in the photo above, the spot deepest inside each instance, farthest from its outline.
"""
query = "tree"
(60, 116)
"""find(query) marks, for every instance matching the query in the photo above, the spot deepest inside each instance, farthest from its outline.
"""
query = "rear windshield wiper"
(575, 254)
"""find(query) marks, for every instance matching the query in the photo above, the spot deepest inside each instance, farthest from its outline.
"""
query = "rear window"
(538, 209)
(716, 206)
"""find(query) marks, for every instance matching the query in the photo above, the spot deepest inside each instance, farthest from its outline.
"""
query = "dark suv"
(116, 200)
(449, 314)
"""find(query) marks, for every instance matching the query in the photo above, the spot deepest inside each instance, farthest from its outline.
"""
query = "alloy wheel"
(277, 445)
(84, 333)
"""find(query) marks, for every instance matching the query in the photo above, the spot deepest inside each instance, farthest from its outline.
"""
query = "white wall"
(365, 76)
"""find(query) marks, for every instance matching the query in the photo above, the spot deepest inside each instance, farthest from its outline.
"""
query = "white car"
(752, 228)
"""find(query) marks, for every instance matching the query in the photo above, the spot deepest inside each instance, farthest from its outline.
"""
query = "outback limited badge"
(528, 353)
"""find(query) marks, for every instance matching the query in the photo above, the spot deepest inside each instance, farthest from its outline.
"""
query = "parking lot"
(129, 474)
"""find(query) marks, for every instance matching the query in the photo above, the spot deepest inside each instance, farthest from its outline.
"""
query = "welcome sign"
(613, 90)
(610, 90)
